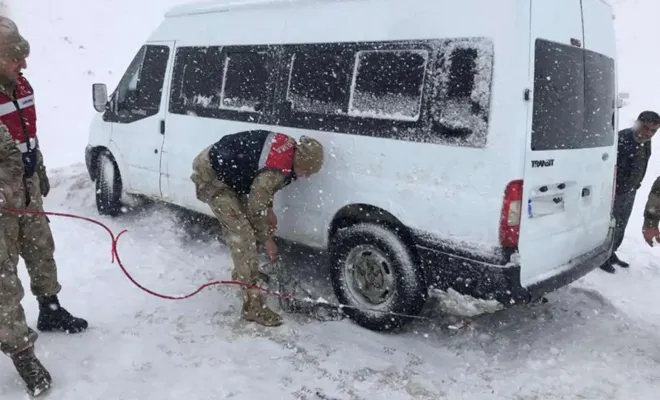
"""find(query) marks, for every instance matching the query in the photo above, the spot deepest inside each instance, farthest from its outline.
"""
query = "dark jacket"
(631, 162)
(238, 158)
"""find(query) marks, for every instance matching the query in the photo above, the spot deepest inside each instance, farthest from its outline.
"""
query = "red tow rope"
(115, 256)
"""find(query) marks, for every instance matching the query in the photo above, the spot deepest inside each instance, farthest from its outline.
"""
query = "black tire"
(108, 185)
(386, 250)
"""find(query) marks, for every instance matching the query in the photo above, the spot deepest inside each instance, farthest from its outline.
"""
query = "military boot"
(52, 317)
(36, 377)
(256, 310)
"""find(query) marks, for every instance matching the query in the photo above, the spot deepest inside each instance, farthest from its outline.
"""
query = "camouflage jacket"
(11, 169)
(260, 199)
(652, 208)
(256, 203)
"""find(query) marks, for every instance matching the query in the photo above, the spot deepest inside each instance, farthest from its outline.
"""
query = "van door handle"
(162, 126)
(586, 192)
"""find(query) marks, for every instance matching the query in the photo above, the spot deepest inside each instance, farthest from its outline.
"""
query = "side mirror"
(100, 96)
(622, 100)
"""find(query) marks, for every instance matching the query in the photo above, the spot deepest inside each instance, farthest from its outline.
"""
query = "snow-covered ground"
(597, 339)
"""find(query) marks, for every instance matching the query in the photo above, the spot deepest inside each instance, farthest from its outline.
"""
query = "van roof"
(215, 6)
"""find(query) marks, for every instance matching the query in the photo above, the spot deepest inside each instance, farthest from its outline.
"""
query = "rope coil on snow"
(287, 301)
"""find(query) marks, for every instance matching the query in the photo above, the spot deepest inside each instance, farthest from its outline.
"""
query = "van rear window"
(574, 98)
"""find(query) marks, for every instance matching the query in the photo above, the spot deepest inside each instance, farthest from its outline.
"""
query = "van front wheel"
(108, 185)
(375, 277)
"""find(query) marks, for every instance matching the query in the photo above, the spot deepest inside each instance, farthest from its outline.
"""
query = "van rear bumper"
(493, 278)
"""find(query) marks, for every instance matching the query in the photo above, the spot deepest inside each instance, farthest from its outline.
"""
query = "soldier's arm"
(11, 165)
(263, 189)
(652, 208)
(41, 171)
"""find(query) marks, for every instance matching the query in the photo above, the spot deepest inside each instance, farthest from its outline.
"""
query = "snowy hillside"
(598, 339)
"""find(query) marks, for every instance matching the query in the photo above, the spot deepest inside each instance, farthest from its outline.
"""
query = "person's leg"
(621, 210)
(623, 216)
(37, 248)
(242, 242)
(16, 337)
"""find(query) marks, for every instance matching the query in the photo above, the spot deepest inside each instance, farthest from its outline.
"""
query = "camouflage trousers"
(30, 237)
(230, 210)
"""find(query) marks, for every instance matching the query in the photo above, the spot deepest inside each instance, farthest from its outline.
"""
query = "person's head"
(14, 50)
(308, 158)
(646, 126)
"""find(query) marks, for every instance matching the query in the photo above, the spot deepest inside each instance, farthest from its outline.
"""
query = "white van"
(469, 144)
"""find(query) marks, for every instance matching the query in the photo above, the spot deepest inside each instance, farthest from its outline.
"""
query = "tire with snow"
(374, 274)
(108, 185)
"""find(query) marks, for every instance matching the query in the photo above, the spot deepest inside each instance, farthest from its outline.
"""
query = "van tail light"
(613, 192)
(511, 214)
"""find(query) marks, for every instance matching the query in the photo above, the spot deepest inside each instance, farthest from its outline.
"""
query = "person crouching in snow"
(237, 177)
(23, 184)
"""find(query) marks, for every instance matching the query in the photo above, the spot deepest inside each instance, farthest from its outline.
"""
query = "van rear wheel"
(375, 276)
(108, 185)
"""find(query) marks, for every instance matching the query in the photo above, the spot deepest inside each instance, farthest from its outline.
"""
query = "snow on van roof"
(213, 6)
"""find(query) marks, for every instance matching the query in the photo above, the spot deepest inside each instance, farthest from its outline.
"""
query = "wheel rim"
(369, 275)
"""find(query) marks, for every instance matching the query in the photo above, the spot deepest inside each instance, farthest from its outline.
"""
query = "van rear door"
(571, 150)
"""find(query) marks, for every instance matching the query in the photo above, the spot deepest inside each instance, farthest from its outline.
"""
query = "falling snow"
(596, 339)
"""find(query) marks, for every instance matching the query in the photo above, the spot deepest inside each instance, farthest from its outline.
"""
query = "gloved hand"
(651, 233)
(44, 183)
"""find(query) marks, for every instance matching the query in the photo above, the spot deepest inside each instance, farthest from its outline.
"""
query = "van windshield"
(574, 98)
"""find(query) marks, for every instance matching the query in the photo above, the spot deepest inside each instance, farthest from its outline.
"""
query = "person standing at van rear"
(28, 236)
(633, 154)
(238, 177)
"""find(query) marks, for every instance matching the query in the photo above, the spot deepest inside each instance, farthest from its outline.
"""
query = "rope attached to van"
(289, 302)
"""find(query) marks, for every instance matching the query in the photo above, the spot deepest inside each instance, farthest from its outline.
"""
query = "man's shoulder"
(23, 81)
(626, 137)
(625, 132)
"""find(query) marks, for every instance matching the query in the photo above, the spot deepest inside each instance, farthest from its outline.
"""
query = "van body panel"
(366, 162)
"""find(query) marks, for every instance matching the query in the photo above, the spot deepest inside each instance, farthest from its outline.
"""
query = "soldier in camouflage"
(238, 177)
(650, 229)
(23, 184)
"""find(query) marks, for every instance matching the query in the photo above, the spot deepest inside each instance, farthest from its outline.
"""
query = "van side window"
(201, 81)
(388, 84)
(461, 92)
(245, 83)
(462, 73)
(231, 83)
(319, 83)
(139, 92)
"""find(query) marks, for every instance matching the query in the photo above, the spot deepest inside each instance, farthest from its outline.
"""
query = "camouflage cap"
(13, 46)
(309, 156)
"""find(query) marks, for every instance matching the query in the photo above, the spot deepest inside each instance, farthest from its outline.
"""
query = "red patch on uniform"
(20, 130)
(280, 153)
